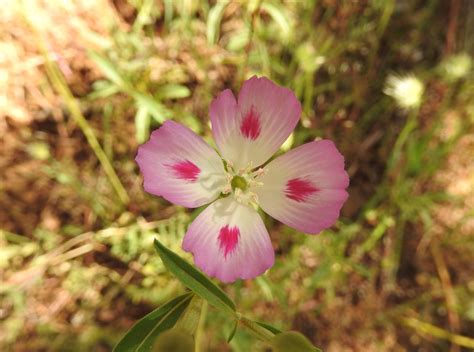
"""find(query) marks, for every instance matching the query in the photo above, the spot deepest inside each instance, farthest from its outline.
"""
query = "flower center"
(239, 182)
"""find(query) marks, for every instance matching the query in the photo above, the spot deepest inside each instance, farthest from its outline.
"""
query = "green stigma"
(239, 182)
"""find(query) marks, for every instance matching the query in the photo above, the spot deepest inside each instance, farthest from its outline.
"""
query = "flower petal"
(229, 241)
(252, 129)
(180, 166)
(305, 188)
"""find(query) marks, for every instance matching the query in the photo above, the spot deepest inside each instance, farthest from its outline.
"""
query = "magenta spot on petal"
(185, 170)
(228, 239)
(299, 190)
(250, 125)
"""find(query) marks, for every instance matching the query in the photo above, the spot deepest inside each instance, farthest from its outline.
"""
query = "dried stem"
(450, 296)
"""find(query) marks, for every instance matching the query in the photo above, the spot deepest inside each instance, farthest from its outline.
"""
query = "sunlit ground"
(82, 83)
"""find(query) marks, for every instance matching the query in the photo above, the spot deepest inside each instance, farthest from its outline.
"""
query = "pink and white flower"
(303, 188)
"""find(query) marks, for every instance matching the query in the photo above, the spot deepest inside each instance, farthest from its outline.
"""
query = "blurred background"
(83, 82)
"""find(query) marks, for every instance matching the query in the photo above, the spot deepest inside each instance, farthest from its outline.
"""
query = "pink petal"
(252, 129)
(229, 241)
(178, 165)
(305, 188)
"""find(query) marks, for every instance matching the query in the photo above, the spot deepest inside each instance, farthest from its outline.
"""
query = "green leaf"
(174, 340)
(103, 89)
(194, 279)
(156, 110)
(276, 13)
(239, 40)
(173, 91)
(292, 341)
(233, 331)
(142, 124)
(214, 21)
(142, 335)
(108, 69)
(190, 319)
(269, 327)
(144, 16)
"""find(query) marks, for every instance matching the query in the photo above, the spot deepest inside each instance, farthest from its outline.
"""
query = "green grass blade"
(156, 110)
(108, 69)
(214, 21)
(173, 91)
(142, 124)
(233, 331)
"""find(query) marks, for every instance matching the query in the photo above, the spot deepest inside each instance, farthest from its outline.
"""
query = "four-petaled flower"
(304, 188)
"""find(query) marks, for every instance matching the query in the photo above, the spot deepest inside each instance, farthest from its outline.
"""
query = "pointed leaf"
(194, 279)
(214, 21)
(279, 17)
(233, 331)
(143, 334)
(292, 341)
(173, 91)
(108, 69)
(142, 124)
(269, 327)
(156, 110)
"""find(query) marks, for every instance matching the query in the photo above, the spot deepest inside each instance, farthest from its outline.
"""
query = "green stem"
(409, 127)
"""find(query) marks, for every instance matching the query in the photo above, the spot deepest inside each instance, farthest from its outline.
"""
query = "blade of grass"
(60, 85)
(434, 331)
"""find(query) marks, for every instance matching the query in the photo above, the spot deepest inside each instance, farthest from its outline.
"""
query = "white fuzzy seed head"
(407, 90)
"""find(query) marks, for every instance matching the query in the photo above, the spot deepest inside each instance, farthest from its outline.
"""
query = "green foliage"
(214, 21)
(202, 286)
(169, 59)
(174, 340)
(142, 335)
(194, 279)
(292, 341)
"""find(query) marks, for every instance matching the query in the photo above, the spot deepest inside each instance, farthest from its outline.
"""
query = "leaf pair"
(144, 333)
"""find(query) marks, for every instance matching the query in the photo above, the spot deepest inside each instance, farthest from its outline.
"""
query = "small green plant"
(183, 313)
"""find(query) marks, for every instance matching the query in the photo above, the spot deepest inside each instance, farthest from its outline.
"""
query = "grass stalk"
(59, 84)
(424, 328)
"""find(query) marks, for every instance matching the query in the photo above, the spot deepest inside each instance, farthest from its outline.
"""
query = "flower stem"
(410, 125)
